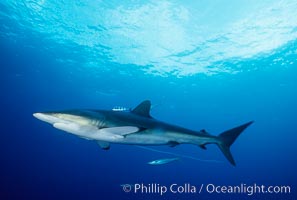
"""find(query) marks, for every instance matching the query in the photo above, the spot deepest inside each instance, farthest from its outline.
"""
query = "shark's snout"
(38, 115)
(47, 117)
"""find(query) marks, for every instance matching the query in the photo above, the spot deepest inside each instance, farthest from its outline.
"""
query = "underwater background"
(203, 64)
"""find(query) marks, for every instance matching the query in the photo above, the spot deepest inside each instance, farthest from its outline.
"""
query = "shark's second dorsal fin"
(203, 131)
(143, 109)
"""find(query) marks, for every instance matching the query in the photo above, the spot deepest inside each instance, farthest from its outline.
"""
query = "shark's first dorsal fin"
(143, 109)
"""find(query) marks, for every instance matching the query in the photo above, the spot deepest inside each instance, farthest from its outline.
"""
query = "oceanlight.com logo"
(187, 188)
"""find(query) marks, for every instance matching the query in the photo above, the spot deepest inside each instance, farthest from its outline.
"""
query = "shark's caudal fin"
(227, 138)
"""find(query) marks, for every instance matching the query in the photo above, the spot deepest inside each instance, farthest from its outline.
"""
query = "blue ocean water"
(204, 65)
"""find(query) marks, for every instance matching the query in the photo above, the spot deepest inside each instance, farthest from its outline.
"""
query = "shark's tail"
(227, 138)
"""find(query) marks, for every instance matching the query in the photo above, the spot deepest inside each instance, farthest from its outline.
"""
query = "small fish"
(162, 161)
(124, 109)
(121, 109)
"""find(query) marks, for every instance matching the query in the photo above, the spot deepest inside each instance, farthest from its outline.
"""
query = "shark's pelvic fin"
(104, 145)
(143, 109)
(173, 143)
(227, 138)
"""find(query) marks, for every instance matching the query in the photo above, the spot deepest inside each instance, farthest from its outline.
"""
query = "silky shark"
(135, 127)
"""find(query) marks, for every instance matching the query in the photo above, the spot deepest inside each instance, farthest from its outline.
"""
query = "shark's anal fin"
(202, 146)
(104, 145)
(143, 109)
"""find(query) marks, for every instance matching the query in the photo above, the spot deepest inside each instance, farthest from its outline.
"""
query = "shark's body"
(135, 127)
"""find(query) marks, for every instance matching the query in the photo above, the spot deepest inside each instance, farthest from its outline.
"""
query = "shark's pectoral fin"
(121, 131)
(104, 145)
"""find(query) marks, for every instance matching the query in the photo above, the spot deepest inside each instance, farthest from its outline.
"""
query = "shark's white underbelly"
(149, 139)
(146, 137)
